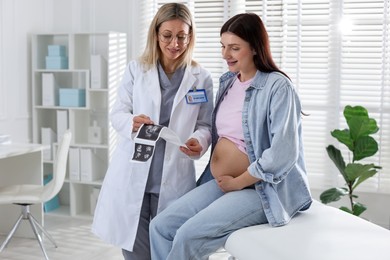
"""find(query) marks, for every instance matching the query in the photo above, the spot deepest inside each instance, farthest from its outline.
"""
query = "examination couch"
(320, 233)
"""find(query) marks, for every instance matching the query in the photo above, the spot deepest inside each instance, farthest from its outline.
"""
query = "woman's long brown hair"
(250, 28)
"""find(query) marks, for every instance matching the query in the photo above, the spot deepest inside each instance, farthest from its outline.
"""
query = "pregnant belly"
(227, 159)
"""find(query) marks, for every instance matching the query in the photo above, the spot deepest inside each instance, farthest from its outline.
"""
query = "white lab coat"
(118, 209)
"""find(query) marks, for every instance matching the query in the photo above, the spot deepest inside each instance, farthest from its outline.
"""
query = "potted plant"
(359, 142)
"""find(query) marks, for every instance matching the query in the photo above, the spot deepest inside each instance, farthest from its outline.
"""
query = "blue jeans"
(199, 223)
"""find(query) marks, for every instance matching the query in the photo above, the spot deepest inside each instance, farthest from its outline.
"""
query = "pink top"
(229, 115)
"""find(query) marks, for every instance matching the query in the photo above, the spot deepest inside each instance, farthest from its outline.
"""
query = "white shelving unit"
(74, 197)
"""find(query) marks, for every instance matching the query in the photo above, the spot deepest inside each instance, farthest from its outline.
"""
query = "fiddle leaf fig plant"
(357, 138)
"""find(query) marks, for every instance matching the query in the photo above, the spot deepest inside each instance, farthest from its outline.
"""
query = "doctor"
(166, 87)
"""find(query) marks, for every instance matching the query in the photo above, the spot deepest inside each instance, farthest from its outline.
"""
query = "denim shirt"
(271, 122)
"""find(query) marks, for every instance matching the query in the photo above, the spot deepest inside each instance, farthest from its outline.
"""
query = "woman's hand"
(193, 147)
(226, 183)
(140, 120)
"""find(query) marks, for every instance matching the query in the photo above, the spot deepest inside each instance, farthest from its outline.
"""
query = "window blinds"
(329, 67)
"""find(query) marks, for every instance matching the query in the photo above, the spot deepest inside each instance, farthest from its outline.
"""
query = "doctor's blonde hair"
(167, 12)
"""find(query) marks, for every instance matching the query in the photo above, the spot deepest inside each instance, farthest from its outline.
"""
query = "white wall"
(378, 210)
(20, 18)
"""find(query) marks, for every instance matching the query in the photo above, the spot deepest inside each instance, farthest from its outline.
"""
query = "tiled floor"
(75, 242)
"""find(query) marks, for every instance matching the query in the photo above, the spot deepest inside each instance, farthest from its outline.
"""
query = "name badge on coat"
(196, 96)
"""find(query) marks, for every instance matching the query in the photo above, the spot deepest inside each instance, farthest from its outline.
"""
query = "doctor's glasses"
(167, 37)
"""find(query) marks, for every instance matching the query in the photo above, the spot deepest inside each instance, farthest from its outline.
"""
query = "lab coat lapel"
(152, 88)
(186, 85)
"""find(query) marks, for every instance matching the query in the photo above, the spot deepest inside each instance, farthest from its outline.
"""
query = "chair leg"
(43, 230)
(38, 236)
(36, 227)
(11, 233)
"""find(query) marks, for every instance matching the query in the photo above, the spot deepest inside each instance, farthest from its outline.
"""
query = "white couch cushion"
(320, 233)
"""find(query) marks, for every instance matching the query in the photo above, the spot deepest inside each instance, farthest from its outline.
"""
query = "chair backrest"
(59, 170)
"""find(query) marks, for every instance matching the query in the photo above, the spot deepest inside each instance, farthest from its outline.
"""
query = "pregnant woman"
(257, 159)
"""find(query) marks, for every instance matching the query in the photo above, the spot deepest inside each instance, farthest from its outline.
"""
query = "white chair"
(26, 195)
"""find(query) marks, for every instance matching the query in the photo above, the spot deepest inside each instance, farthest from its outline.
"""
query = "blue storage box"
(56, 50)
(56, 62)
(54, 203)
(72, 97)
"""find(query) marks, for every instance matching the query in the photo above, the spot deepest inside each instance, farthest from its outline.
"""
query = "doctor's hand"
(193, 147)
(140, 120)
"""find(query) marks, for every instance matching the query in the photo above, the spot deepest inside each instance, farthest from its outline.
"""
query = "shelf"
(83, 74)
(58, 107)
(93, 183)
(60, 71)
(61, 211)
(93, 146)
(98, 90)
